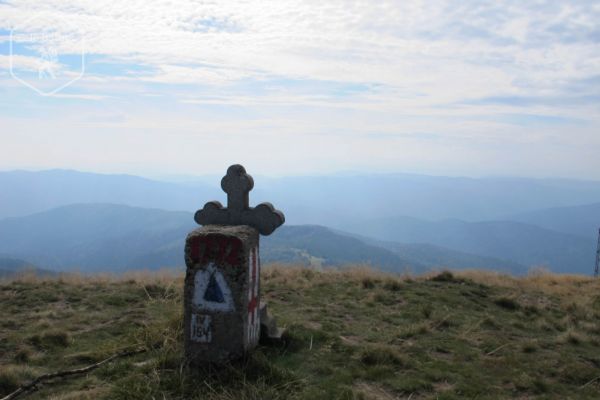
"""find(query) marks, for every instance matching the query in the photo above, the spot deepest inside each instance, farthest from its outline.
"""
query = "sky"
(469, 88)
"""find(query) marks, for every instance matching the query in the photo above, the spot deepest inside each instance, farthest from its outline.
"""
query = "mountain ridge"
(581, 220)
(325, 200)
(113, 237)
(518, 242)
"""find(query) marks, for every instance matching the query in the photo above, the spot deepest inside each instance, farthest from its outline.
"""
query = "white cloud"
(27, 63)
(382, 72)
(426, 44)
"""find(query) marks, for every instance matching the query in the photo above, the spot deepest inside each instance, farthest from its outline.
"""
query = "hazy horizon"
(214, 178)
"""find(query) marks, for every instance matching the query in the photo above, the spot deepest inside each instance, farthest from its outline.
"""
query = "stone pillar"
(222, 310)
(221, 293)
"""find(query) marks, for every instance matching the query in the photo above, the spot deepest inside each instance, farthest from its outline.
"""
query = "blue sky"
(302, 87)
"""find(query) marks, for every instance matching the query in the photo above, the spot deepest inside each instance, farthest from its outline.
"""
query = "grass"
(351, 334)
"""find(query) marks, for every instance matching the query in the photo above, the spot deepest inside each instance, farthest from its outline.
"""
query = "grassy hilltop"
(351, 334)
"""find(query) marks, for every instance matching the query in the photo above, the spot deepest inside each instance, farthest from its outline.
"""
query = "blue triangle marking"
(213, 291)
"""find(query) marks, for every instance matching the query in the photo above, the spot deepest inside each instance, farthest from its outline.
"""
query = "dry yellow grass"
(576, 287)
(352, 331)
(351, 273)
(575, 291)
(160, 276)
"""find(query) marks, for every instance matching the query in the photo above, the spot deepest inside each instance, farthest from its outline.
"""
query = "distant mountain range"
(441, 257)
(98, 237)
(518, 242)
(582, 220)
(66, 219)
(25, 193)
(320, 245)
(321, 200)
(11, 266)
(105, 237)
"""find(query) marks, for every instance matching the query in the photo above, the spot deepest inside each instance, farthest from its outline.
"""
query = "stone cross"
(223, 315)
(237, 184)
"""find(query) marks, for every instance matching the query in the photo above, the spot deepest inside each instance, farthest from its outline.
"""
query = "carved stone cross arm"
(237, 184)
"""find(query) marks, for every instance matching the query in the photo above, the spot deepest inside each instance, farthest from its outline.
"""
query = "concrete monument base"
(221, 293)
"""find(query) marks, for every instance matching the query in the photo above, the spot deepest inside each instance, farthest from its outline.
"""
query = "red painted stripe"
(218, 248)
(253, 267)
(252, 304)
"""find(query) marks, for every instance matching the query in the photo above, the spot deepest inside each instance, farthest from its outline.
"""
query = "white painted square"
(201, 280)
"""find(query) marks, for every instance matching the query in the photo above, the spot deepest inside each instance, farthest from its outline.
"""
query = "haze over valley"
(63, 220)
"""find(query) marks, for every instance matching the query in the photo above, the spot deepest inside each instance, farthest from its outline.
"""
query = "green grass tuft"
(48, 340)
(507, 303)
(444, 276)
